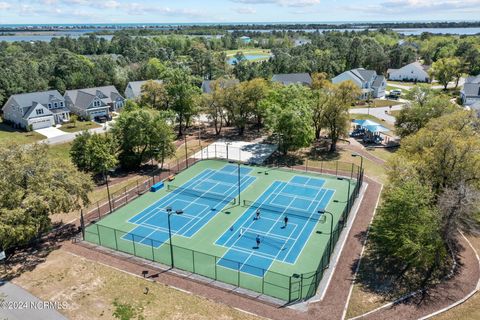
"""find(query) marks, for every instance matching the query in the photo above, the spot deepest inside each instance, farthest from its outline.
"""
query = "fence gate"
(295, 288)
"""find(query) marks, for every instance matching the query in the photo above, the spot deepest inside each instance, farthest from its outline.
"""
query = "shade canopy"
(371, 126)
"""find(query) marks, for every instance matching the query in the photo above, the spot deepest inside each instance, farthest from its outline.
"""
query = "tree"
(182, 95)
(405, 235)
(142, 134)
(153, 95)
(94, 153)
(335, 111)
(253, 92)
(73, 120)
(445, 70)
(416, 115)
(33, 187)
(289, 117)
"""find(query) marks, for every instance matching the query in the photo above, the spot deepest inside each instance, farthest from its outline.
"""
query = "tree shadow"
(27, 258)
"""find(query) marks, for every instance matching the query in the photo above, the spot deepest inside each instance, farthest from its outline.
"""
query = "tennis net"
(202, 194)
(282, 210)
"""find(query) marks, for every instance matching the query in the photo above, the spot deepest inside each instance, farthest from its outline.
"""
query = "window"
(61, 103)
(56, 105)
(49, 106)
(39, 112)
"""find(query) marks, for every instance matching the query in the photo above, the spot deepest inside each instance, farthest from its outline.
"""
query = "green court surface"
(215, 235)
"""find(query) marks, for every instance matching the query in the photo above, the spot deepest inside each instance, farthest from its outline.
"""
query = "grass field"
(90, 288)
(276, 279)
(8, 134)
(253, 51)
(79, 126)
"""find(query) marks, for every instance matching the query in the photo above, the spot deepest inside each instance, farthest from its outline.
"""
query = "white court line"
(247, 181)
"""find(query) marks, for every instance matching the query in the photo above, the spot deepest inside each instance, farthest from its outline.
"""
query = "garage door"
(40, 124)
(94, 114)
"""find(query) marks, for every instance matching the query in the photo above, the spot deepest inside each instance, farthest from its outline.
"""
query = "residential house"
(92, 103)
(413, 72)
(470, 93)
(36, 110)
(293, 78)
(301, 42)
(371, 84)
(227, 83)
(134, 89)
(245, 39)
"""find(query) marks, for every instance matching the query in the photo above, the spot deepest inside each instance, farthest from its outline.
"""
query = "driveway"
(18, 304)
(50, 132)
(67, 137)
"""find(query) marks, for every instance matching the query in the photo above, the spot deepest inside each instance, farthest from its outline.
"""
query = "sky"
(162, 11)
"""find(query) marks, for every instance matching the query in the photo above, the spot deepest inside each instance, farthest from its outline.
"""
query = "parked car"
(357, 133)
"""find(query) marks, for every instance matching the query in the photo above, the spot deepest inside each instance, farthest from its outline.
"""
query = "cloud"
(245, 10)
(141, 9)
(417, 6)
(5, 6)
(283, 3)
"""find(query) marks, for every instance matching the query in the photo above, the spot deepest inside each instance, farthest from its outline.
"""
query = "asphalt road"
(378, 112)
(18, 304)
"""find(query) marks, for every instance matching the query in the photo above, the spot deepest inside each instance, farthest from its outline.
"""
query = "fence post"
(301, 287)
(193, 261)
(153, 252)
(98, 210)
(321, 166)
(115, 236)
(290, 289)
(215, 267)
(98, 232)
(133, 240)
(238, 274)
(336, 168)
(351, 172)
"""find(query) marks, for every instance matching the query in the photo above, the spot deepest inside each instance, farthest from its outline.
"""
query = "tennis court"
(214, 231)
(198, 201)
(299, 200)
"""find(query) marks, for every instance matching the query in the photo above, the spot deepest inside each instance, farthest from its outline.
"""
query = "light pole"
(186, 150)
(361, 161)
(331, 232)
(170, 212)
(108, 188)
(155, 151)
(239, 183)
(348, 196)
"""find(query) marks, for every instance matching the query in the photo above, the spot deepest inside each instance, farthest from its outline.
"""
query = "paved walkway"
(17, 303)
(380, 113)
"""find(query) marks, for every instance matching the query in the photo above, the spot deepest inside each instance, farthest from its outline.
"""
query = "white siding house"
(371, 84)
(470, 93)
(37, 109)
(413, 72)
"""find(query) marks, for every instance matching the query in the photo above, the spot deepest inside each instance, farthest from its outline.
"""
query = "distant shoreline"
(236, 26)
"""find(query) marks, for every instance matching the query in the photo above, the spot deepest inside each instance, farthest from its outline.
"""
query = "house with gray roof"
(224, 83)
(134, 88)
(470, 93)
(371, 84)
(293, 78)
(36, 110)
(92, 103)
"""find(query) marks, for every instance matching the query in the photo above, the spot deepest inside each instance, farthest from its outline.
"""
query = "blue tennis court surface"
(300, 199)
(200, 199)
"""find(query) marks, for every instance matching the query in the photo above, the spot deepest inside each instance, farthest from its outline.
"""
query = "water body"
(249, 57)
(46, 37)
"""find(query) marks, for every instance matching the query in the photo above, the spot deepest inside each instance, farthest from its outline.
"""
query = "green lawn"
(9, 134)
(60, 151)
(199, 253)
(245, 51)
(79, 126)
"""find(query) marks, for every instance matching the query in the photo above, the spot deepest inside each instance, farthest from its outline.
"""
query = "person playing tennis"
(257, 214)
(257, 239)
(240, 233)
(285, 220)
